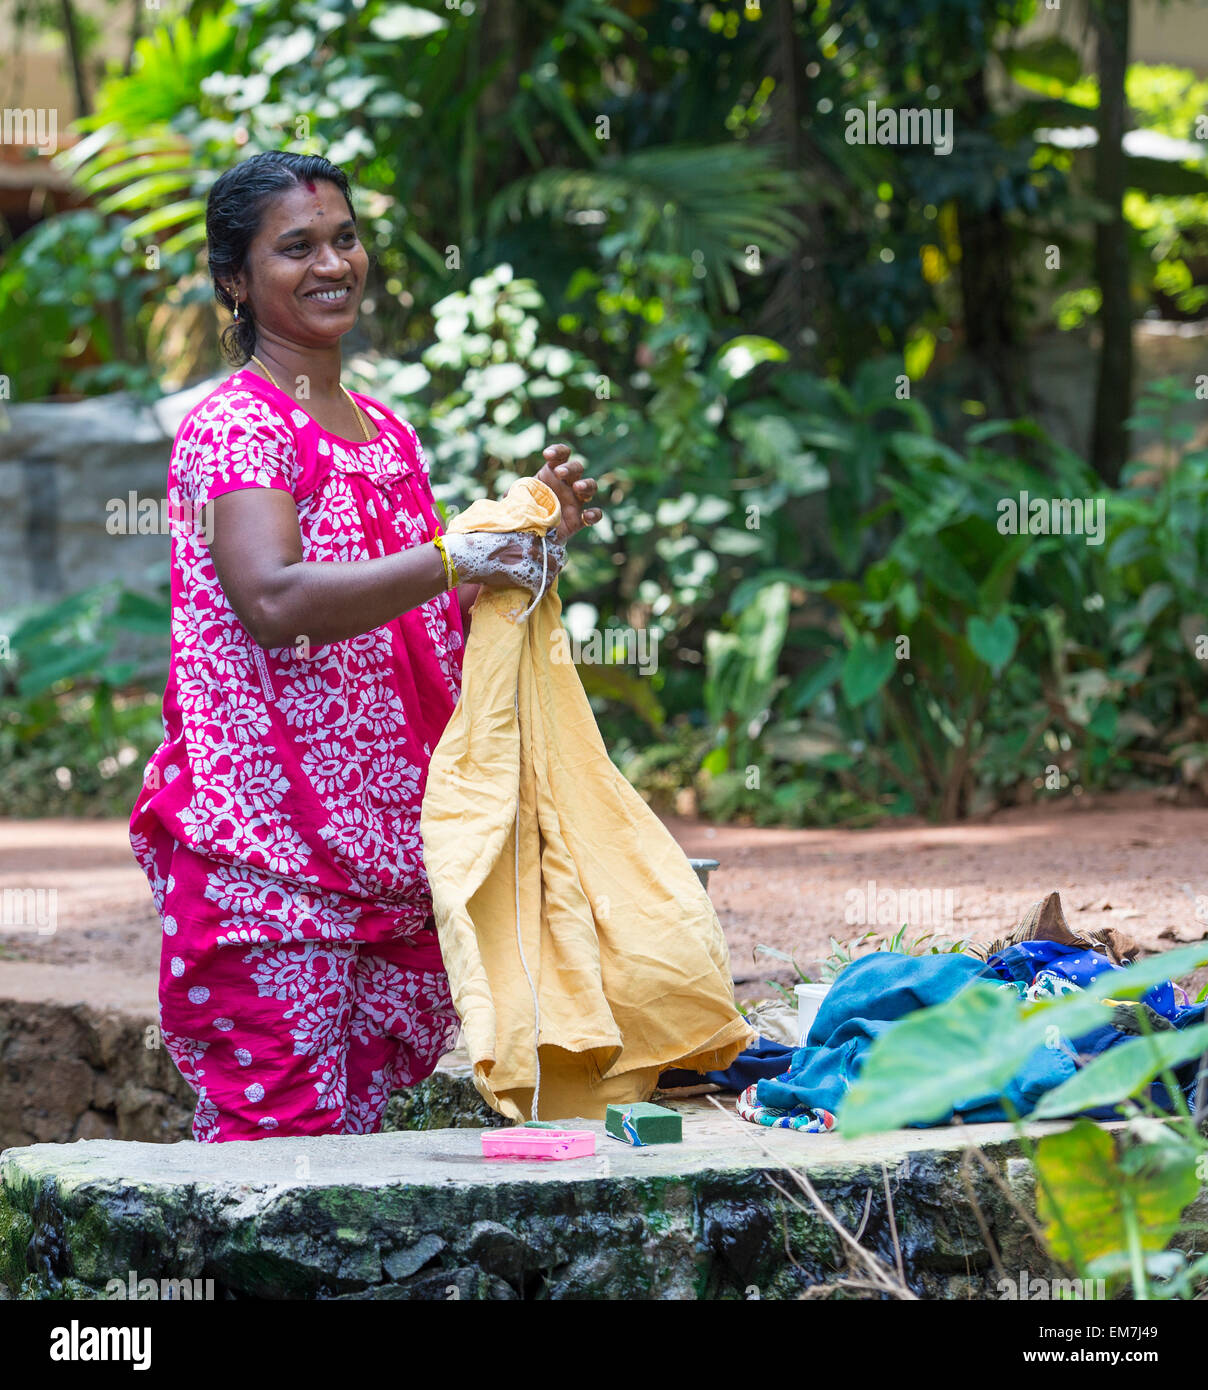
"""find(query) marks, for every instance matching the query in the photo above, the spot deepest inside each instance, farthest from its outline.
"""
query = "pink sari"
(278, 824)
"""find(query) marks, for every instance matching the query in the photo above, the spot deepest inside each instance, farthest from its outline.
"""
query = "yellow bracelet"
(451, 579)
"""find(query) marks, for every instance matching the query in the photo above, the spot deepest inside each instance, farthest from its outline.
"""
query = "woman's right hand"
(505, 559)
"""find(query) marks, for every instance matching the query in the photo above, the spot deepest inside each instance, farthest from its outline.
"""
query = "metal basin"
(703, 868)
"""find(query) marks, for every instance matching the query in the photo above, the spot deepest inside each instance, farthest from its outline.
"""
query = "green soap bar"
(654, 1124)
(543, 1124)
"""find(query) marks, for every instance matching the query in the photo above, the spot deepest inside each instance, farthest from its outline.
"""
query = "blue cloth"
(876, 991)
(1023, 961)
(766, 1058)
(867, 998)
(885, 986)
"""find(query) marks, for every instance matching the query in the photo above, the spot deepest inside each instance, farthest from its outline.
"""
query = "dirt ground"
(1129, 860)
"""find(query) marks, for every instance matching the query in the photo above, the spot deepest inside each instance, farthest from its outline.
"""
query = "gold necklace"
(360, 418)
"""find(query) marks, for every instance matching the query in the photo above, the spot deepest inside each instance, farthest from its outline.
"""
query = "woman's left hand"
(573, 490)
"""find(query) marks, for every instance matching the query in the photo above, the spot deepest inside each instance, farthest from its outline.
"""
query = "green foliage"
(551, 260)
(76, 279)
(80, 700)
(963, 662)
(492, 391)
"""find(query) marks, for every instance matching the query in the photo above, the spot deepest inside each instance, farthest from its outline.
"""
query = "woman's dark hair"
(234, 211)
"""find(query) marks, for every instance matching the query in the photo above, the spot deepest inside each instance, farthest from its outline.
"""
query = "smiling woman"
(317, 628)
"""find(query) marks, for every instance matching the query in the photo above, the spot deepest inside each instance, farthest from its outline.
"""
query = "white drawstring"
(541, 591)
(516, 839)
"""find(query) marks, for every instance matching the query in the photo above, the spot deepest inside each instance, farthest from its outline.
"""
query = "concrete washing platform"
(421, 1215)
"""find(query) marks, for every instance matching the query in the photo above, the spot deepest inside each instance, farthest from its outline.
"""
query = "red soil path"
(1130, 861)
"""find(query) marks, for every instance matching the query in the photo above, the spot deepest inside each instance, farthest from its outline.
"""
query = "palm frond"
(716, 199)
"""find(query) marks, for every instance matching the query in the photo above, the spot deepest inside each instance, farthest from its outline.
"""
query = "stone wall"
(70, 1071)
(60, 465)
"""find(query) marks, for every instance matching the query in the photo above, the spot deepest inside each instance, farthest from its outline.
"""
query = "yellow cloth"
(623, 945)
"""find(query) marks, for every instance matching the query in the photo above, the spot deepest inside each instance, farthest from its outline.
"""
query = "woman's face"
(306, 267)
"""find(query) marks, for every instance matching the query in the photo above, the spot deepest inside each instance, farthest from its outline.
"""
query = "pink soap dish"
(538, 1143)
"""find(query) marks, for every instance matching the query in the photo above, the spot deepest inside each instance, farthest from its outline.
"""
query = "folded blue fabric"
(765, 1058)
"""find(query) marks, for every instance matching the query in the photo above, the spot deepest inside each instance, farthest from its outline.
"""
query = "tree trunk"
(72, 36)
(136, 33)
(1114, 388)
(786, 57)
(988, 308)
(986, 279)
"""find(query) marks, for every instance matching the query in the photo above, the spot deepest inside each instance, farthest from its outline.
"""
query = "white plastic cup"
(809, 1001)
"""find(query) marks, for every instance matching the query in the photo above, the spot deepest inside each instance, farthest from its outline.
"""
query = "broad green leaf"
(1082, 1180)
(749, 589)
(56, 615)
(142, 613)
(612, 682)
(806, 689)
(1104, 721)
(949, 576)
(866, 668)
(993, 641)
(715, 762)
(994, 590)
(1123, 1071)
(908, 602)
(1129, 545)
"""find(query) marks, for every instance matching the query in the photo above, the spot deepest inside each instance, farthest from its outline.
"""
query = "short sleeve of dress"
(232, 442)
(420, 457)
(418, 460)
(422, 476)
